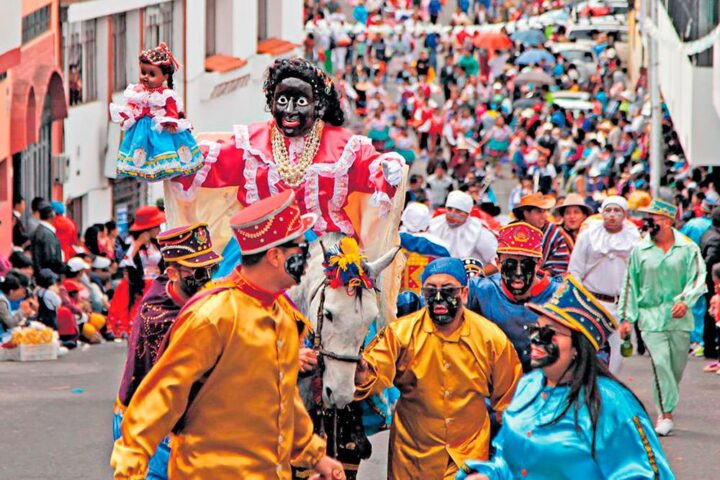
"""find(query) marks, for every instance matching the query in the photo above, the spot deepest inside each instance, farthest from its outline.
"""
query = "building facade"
(224, 47)
(686, 81)
(34, 104)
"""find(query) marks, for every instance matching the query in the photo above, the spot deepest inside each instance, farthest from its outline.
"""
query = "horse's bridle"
(317, 341)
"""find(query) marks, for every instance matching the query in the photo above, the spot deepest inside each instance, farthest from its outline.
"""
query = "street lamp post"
(650, 13)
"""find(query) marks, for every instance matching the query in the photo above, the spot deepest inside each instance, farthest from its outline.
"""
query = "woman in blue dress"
(570, 418)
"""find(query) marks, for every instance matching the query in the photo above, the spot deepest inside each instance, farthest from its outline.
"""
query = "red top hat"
(270, 222)
(189, 246)
(520, 238)
(147, 217)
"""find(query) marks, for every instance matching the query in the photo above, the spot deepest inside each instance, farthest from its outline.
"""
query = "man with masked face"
(665, 277)
(501, 297)
(226, 383)
(446, 361)
(464, 234)
(556, 243)
(189, 260)
(600, 258)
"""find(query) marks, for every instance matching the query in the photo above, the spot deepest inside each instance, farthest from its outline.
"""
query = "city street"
(57, 417)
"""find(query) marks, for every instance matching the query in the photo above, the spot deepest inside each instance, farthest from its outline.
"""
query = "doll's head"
(157, 66)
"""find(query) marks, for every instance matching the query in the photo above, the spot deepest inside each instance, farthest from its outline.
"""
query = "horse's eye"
(328, 315)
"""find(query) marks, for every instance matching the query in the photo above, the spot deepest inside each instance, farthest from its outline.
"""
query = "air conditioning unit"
(61, 168)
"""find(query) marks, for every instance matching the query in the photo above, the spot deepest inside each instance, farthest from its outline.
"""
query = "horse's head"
(344, 305)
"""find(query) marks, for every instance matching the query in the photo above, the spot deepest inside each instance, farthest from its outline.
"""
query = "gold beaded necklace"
(294, 174)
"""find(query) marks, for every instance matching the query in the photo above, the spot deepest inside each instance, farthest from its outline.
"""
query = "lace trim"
(210, 157)
(116, 112)
(138, 95)
(312, 202)
(181, 124)
(250, 174)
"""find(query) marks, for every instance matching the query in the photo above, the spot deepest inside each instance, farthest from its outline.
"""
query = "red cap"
(147, 217)
(72, 285)
(270, 222)
(537, 107)
(520, 239)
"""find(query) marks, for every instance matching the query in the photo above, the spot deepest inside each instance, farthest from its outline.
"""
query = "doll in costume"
(157, 144)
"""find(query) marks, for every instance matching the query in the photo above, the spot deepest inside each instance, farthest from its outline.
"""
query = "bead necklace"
(294, 174)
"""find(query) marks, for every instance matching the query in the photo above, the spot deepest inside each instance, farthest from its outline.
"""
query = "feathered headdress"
(344, 265)
(160, 55)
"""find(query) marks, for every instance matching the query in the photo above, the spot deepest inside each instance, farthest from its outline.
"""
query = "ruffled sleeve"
(223, 166)
(366, 175)
(167, 110)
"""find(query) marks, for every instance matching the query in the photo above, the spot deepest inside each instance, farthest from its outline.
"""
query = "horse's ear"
(374, 268)
(322, 247)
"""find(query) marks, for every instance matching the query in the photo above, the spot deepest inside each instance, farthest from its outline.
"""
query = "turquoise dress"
(527, 447)
(148, 150)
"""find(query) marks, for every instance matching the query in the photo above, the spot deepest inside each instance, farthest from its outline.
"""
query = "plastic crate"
(33, 353)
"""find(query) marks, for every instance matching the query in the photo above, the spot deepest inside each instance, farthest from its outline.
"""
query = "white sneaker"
(664, 426)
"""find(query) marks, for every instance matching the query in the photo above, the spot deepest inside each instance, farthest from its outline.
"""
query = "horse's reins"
(317, 340)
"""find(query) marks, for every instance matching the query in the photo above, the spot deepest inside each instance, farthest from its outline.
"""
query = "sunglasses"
(545, 334)
(201, 273)
(447, 291)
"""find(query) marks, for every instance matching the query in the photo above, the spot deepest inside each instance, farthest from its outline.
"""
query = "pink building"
(33, 105)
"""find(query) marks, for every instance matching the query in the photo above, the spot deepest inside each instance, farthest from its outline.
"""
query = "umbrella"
(535, 56)
(492, 41)
(537, 77)
(524, 103)
(529, 37)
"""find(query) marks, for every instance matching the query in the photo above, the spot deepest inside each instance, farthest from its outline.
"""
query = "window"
(262, 20)
(35, 23)
(79, 41)
(119, 52)
(210, 28)
(158, 25)
(90, 63)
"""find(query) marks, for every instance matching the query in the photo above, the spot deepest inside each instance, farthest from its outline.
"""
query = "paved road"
(49, 432)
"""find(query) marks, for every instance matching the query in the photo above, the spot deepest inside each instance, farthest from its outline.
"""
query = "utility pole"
(657, 164)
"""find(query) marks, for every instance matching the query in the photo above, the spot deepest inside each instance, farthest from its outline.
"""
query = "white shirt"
(599, 259)
(471, 239)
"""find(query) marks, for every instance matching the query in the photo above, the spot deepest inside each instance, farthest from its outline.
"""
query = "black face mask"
(512, 270)
(295, 263)
(191, 284)
(650, 226)
(542, 337)
(447, 297)
(293, 107)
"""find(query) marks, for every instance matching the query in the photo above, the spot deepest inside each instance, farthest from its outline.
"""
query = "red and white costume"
(344, 163)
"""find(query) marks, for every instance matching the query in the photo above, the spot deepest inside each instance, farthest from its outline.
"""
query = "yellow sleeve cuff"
(311, 454)
(129, 464)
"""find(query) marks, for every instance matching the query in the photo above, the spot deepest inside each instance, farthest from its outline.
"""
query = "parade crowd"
(512, 320)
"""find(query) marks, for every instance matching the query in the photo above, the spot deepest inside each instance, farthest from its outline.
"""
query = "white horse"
(340, 318)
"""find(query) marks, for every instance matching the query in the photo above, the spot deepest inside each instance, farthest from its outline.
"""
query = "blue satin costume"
(526, 447)
(486, 297)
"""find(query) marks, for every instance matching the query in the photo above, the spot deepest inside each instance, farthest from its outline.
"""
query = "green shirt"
(656, 280)
(470, 64)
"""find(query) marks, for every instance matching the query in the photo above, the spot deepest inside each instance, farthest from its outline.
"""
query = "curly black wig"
(326, 95)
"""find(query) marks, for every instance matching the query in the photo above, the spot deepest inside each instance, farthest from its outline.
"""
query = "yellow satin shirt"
(441, 419)
(238, 356)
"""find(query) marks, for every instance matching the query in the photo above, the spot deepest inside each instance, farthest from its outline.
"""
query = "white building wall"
(85, 143)
(716, 75)
(685, 90)
(10, 25)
